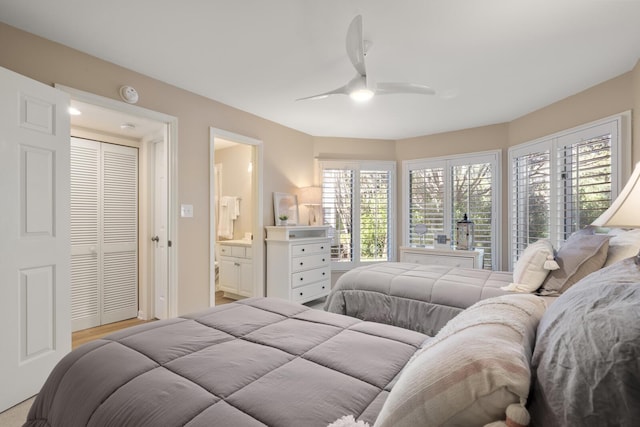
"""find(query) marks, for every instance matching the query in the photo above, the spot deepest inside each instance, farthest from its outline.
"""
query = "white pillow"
(472, 370)
(532, 267)
(623, 244)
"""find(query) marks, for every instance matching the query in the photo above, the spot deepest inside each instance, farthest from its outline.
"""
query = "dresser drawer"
(312, 291)
(309, 248)
(309, 276)
(308, 262)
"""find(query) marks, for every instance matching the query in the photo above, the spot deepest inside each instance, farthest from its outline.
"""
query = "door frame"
(147, 157)
(257, 244)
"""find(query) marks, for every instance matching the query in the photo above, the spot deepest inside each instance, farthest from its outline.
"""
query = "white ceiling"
(490, 61)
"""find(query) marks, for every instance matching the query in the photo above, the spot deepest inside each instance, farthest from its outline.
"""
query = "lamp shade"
(624, 212)
(310, 196)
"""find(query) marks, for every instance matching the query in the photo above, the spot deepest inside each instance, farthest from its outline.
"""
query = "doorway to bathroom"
(236, 216)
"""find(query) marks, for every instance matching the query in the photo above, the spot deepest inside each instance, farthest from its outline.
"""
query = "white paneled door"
(104, 233)
(35, 330)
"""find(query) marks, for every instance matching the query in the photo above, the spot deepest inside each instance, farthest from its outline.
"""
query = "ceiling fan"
(357, 87)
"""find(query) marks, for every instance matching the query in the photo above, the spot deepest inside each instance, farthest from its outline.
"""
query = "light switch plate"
(186, 211)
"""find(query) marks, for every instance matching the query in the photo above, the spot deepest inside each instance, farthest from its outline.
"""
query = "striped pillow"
(475, 367)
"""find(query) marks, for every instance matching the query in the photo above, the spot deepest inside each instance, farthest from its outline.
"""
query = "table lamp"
(624, 212)
(311, 197)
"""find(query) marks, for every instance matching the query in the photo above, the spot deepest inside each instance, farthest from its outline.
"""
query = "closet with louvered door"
(104, 233)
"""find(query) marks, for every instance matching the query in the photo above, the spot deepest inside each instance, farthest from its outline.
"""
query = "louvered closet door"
(85, 191)
(104, 229)
(120, 233)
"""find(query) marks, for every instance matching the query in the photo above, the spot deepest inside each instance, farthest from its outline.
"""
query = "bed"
(271, 362)
(255, 362)
(413, 296)
(425, 297)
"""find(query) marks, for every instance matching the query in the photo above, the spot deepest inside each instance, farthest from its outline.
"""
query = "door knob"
(155, 239)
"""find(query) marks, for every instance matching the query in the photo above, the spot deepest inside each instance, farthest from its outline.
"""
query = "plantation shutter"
(85, 190)
(358, 204)
(530, 199)
(120, 235)
(563, 183)
(473, 195)
(441, 191)
(585, 186)
(337, 200)
(374, 215)
(426, 204)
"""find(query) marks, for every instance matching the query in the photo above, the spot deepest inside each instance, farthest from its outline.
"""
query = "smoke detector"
(129, 94)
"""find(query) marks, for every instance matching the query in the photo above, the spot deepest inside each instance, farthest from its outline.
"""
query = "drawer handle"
(323, 259)
(323, 287)
(323, 273)
(301, 263)
(302, 249)
(301, 294)
(321, 247)
(301, 279)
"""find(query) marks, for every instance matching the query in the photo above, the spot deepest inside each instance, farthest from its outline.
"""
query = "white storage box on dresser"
(298, 262)
(236, 268)
(444, 256)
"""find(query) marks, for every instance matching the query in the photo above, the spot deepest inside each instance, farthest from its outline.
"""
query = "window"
(563, 182)
(358, 203)
(440, 191)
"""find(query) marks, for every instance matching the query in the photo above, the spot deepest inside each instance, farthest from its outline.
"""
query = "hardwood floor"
(221, 299)
(80, 337)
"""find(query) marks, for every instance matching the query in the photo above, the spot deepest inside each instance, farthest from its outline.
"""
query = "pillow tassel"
(517, 415)
(550, 263)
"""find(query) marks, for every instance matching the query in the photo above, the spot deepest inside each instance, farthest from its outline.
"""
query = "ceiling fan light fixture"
(361, 95)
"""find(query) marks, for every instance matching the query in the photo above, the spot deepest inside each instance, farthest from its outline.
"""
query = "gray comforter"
(256, 362)
(413, 296)
(586, 362)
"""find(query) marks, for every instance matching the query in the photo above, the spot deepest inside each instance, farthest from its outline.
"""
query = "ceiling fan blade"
(355, 45)
(339, 91)
(390, 88)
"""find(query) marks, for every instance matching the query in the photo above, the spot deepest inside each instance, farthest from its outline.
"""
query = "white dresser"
(444, 256)
(298, 262)
(235, 268)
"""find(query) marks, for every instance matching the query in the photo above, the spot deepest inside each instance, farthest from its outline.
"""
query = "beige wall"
(603, 100)
(288, 154)
(51, 63)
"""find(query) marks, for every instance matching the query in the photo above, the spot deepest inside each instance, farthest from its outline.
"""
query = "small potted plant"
(283, 219)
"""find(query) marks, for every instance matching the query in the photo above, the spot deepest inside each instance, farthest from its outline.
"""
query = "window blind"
(426, 204)
(358, 203)
(473, 196)
(531, 199)
(442, 190)
(584, 184)
(374, 215)
(563, 182)
(337, 195)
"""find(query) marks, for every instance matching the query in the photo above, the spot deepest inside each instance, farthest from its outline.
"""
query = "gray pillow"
(586, 361)
(579, 256)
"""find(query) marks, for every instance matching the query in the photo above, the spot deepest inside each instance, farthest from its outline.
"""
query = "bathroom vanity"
(235, 268)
